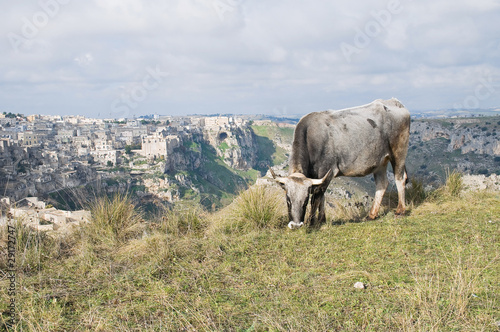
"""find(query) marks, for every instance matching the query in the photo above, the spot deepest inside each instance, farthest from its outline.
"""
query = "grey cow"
(351, 142)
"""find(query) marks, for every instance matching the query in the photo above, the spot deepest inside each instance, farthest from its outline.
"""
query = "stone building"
(159, 144)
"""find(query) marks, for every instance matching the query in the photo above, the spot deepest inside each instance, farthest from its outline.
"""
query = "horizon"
(481, 112)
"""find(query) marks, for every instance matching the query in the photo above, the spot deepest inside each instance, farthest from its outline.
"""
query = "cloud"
(248, 56)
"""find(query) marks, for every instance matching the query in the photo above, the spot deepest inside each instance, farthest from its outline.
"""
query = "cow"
(351, 142)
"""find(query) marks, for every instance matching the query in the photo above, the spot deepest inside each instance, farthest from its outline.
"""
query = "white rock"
(359, 285)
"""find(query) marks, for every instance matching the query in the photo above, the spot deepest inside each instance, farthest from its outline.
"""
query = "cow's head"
(298, 187)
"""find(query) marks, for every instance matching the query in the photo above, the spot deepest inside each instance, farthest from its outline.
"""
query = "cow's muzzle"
(293, 224)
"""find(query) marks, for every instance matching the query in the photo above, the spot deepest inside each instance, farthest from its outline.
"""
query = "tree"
(110, 163)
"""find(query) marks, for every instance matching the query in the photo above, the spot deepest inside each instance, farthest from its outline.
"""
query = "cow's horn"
(277, 178)
(317, 182)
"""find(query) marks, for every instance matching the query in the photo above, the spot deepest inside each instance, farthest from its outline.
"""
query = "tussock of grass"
(185, 218)
(453, 187)
(415, 193)
(256, 208)
(243, 269)
(114, 221)
(33, 247)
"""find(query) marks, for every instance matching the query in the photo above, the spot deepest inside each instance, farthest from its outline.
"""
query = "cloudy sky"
(120, 58)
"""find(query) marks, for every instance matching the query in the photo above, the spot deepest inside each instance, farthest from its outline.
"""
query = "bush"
(260, 206)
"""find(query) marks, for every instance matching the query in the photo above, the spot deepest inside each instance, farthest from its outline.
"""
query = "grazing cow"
(351, 142)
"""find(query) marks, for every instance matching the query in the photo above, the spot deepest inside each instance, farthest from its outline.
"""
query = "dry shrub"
(454, 183)
(32, 247)
(415, 193)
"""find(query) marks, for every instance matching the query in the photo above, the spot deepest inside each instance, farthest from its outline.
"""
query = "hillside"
(469, 145)
(437, 268)
(211, 166)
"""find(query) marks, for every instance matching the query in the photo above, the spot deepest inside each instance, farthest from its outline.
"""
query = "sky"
(127, 58)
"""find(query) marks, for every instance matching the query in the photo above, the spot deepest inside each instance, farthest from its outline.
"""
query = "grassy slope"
(268, 150)
(241, 269)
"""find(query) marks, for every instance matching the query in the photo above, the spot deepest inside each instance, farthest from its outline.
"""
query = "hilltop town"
(40, 154)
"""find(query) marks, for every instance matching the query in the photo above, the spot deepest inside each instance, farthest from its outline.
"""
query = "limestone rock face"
(467, 139)
(235, 145)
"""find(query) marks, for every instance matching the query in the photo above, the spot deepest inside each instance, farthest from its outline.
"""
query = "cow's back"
(353, 141)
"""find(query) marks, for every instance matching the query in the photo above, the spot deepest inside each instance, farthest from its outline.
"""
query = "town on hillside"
(41, 155)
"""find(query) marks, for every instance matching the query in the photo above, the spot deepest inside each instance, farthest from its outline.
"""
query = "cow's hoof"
(400, 212)
(293, 225)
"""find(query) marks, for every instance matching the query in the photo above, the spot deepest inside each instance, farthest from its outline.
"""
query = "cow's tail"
(406, 177)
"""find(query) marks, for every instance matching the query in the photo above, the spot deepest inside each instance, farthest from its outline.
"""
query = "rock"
(359, 285)
(481, 182)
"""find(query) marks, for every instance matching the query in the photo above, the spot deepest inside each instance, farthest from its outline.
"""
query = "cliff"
(467, 135)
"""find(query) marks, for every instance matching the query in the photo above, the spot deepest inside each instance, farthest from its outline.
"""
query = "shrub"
(260, 206)
(344, 211)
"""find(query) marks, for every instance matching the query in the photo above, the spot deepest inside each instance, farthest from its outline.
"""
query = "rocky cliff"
(467, 135)
(236, 146)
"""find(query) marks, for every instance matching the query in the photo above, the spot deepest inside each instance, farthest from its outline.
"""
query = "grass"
(241, 269)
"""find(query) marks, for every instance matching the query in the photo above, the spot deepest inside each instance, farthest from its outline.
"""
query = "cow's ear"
(280, 180)
(322, 184)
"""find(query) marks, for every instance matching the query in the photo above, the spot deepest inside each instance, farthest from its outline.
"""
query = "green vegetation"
(192, 145)
(129, 148)
(13, 115)
(242, 269)
(269, 153)
(223, 146)
(140, 162)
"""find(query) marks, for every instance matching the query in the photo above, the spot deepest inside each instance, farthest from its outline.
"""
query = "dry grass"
(114, 220)
(441, 298)
(243, 269)
(256, 208)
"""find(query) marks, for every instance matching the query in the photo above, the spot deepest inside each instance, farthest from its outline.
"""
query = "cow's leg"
(315, 202)
(400, 178)
(321, 212)
(381, 183)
